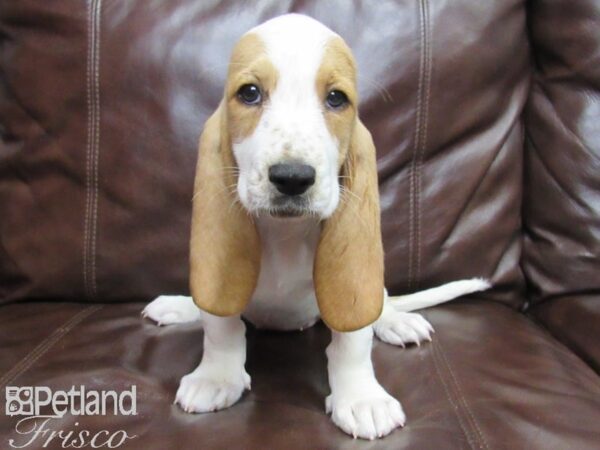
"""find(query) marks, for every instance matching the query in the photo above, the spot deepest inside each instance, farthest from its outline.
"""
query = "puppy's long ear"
(225, 247)
(348, 269)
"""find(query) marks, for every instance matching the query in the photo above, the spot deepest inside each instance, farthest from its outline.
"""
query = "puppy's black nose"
(292, 178)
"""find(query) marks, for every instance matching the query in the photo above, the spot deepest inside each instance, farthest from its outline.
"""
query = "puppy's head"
(290, 103)
(286, 140)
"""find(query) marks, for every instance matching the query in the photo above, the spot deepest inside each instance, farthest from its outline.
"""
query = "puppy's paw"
(402, 328)
(170, 309)
(207, 390)
(365, 413)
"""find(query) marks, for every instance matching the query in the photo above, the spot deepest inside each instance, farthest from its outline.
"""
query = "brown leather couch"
(486, 117)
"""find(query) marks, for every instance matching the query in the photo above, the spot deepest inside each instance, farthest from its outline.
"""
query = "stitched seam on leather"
(86, 217)
(30, 359)
(411, 169)
(423, 140)
(97, 16)
(415, 169)
(92, 149)
(455, 406)
(463, 399)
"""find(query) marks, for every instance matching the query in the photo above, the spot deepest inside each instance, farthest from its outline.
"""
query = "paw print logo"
(19, 401)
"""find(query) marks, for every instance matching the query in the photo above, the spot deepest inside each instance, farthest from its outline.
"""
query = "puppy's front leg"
(358, 404)
(220, 379)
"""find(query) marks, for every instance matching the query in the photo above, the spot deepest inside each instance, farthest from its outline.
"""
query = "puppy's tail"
(437, 295)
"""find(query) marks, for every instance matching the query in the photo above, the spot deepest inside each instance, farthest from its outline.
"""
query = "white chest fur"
(284, 298)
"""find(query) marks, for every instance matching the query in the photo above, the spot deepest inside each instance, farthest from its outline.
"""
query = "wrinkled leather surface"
(561, 205)
(490, 379)
(561, 210)
(101, 106)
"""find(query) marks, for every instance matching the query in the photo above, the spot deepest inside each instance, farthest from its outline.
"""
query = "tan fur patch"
(348, 271)
(225, 246)
(338, 72)
(249, 64)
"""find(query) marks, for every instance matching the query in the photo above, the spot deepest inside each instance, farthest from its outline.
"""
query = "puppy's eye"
(336, 99)
(250, 94)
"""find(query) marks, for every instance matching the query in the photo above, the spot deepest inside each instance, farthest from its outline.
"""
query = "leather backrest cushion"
(102, 103)
(562, 181)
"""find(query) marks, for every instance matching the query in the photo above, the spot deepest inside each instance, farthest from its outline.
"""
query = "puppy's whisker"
(381, 89)
(231, 171)
(229, 189)
(343, 199)
(352, 201)
(346, 193)
(350, 191)
(235, 202)
(232, 205)
(232, 190)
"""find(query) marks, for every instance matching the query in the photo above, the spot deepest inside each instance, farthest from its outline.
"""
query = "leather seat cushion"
(491, 379)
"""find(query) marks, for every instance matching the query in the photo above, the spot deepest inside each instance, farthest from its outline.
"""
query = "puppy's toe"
(171, 309)
(402, 328)
(367, 417)
(343, 417)
(201, 392)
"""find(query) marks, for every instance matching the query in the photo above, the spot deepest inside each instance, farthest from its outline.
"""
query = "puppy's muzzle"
(292, 179)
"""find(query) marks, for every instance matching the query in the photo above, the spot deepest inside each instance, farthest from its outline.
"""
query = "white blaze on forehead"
(295, 45)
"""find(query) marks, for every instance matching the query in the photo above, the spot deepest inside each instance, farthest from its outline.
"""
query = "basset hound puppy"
(286, 230)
